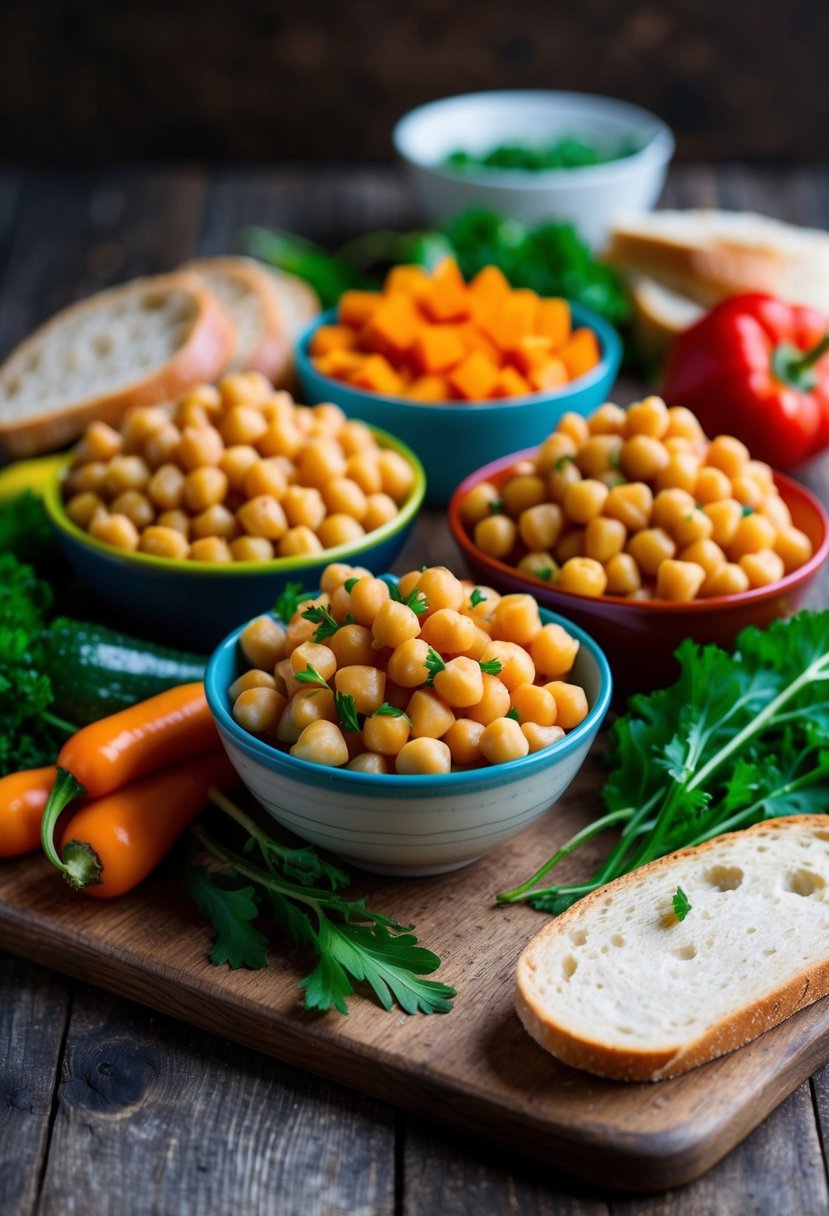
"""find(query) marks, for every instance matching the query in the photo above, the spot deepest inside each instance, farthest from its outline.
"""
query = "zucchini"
(95, 671)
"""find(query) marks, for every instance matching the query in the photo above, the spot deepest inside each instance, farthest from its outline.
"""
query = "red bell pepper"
(756, 368)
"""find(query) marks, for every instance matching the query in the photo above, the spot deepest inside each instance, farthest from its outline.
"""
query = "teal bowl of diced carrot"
(461, 372)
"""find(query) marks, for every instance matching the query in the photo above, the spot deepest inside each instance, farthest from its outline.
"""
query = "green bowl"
(195, 604)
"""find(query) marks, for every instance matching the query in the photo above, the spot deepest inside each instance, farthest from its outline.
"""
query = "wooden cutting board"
(475, 1068)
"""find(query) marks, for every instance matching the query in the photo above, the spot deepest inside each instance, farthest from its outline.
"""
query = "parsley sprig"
(327, 625)
(415, 600)
(738, 738)
(433, 664)
(290, 599)
(310, 676)
(304, 895)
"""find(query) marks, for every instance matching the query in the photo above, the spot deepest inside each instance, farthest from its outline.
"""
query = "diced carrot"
(531, 352)
(474, 378)
(437, 348)
(551, 374)
(356, 307)
(510, 383)
(332, 337)
(407, 281)
(392, 328)
(339, 364)
(447, 298)
(514, 317)
(474, 338)
(487, 292)
(581, 352)
(429, 388)
(554, 321)
(377, 374)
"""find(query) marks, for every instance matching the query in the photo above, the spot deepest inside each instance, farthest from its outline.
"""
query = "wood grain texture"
(34, 1008)
(189, 1125)
(475, 1068)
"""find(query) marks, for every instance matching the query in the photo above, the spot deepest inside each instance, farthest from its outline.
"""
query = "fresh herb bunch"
(738, 738)
(30, 734)
(551, 258)
(304, 895)
(568, 152)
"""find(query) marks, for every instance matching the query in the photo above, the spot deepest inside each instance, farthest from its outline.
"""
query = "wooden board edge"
(661, 1162)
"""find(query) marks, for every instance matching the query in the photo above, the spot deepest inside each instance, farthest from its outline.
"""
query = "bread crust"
(729, 1033)
(201, 357)
(272, 353)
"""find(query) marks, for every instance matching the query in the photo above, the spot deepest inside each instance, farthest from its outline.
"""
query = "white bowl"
(589, 197)
(408, 825)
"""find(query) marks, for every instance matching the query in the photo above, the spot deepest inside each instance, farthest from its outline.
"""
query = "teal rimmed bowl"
(454, 438)
(408, 825)
(194, 604)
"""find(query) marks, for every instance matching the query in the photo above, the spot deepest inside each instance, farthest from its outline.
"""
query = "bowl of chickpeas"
(409, 725)
(186, 519)
(645, 532)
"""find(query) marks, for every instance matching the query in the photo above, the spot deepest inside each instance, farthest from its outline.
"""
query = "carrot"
(22, 799)
(112, 843)
(116, 750)
(474, 378)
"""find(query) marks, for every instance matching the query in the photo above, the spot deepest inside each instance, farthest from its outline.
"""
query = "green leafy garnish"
(562, 461)
(26, 530)
(310, 676)
(748, 510)
(566, 152)
(433, 664)
(477, 597)
(303, 895)
(680, 903)
(351, 583)
(415, 600)
(495, 506)
(545, 573)
(492, 667)
(347, 711)
(326, 624)
(737, 739)
(514, 714)
(289, 600)
(391, 711)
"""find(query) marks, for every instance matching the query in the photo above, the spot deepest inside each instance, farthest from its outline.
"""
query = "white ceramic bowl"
(409, 825)
(589, 197)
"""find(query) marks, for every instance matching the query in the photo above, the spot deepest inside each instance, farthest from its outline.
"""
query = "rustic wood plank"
(79, 233)
(459, 1175)
(34, 1008)
(155, 1115)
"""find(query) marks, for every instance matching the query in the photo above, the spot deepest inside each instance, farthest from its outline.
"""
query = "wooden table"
(107, 1109)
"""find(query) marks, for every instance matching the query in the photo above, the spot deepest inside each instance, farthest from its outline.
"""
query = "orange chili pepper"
(112, 843)
(116, 750)
(22, 799)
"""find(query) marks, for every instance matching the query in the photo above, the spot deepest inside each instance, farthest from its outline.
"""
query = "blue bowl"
(455, 438)
(408, 825)
(194, 604)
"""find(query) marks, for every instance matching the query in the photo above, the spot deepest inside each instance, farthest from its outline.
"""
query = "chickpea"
(747, 491)
(623, 577)
(363, 468)
(368, 762)
(728, 454)
(380, 509)
(126, 473)
(477, 503)
(725, 515)
(321, 742)
(562, 475)
(337, 573)
(774, 508)
(319, 461)
(712, 485)
(262, 642)
(351, 645)
(407, 664)
(88, 478)
(441, 589)
(100, 442)
(571, 545)
(428, 714)
(265, 476)
(165, 489)
(280, 439)
(179, 521)
(365, 684)
(313, 705)
(517, 666)
(82, 507)
(395, 624)
(448, 631)
(696, 525)
(553, 650)
(297, 542)
(680, 472)
(534, 704)
(396, 475)
(794, 547)
(424, 755)
(463, 739)
(516, 619)
(670, 505)
(762, 567)
(583, 576)
(314, 654)
(386, 734)
(521, 492)
(355, 437)
(584, 500)
(243, 424)
(342, 494)
(204, 487)
(215, 521)
(603, 538)
(650, 418)
(200, 445)
(262, 516)
(503, 740)
(571, 703)
(599, 453)
(460, 683)
(541, 737)
(705, 553)
(631, 503)
(137, 426)
(494, 702)
(339, 530)
(258, 709)
(251, 549)
(254, 678)
(540, 526)
(684, 424)
(542, 566)
(368, 595)
(161, 447)
(554, 447)
(210, 549)
(753, 533)
(303, 505)
(679, 581)
(574, 425)
(643, 457)
(607, 419)
(728, 579)
(115, 530)
(650, 548)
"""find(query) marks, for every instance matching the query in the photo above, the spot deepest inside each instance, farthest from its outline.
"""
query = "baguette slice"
(618, 986)
(659, 315)
(299, 304)
(248, 296)
(707, 255)
(139, 344)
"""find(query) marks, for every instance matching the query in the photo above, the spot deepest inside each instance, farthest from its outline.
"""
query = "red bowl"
(640, 636)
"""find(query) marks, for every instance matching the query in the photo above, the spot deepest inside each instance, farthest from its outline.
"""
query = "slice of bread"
(659, 314)
(618, 986)
(139, 344)
(248, 296)
(707, 255)
(299, 304)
